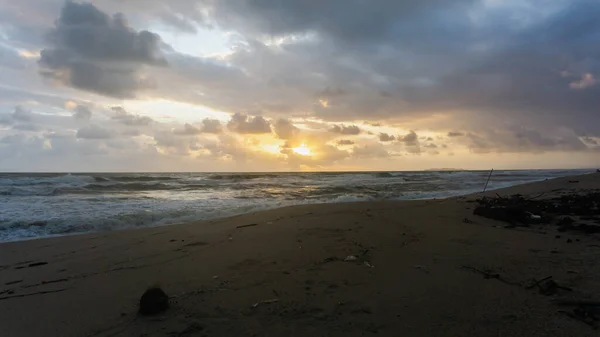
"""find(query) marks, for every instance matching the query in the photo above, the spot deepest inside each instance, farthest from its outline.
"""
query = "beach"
(387, 268)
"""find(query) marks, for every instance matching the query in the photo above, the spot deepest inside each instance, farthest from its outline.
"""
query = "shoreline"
(417, 270)
(432, 195)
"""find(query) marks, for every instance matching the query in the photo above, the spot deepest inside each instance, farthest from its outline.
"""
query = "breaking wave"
(38, 205)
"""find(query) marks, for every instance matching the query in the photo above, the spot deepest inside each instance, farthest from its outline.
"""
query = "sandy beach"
(390, 268)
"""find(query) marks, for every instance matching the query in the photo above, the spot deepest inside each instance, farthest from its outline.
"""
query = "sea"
(35, 205)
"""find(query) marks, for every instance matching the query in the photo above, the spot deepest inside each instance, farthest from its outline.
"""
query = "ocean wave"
(124, 188)
(39, 205)
(389, 174)
(132, 178)
(134, 187)
(39, 191)
(66, 179)
(237, 176)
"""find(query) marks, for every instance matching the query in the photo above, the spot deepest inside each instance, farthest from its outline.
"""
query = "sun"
(302, 150)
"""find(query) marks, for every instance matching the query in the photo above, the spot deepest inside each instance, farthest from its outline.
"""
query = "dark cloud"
(285, 129)
(212, 126)
(92, 51)
(208, 126)
(521, 139)
(345, 142)
(345, 130)
(94, 131)
(188, 130)
(409, 138)
(175, 145)
(430, 146)
(384, 137)
(126, 118)
(82, 113)
(361, 22)
(467, 56)
(21, 114)
(455, 134)
(411, 142)
(244, 124)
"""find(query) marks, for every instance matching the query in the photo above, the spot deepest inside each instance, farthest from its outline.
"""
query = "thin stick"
(488, 180)
(250, 225)
(537, 283)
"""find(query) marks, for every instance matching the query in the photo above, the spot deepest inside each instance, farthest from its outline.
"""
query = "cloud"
(590, 141)
(370, 151)
(21, 114)
(488, 70)
(409, 138)
(362, 21)
(208, 126)
(586, 81)
(188, 129)
(10, 58)
(384, 137)
(177, 146)
(411, 142)
(93, 131)
(82, 113)
(126, 118)
(345, 130)
(92, 51)
(211, 126)
(285, 129)
(520, 139)
(26, 127)
(244, 124)
(345, 142)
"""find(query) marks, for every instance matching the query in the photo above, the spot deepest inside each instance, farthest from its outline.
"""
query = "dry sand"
(415, 274)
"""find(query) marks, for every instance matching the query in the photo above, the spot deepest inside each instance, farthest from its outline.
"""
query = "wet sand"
(419, 268)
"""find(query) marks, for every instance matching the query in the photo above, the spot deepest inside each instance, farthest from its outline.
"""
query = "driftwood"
(250, 225)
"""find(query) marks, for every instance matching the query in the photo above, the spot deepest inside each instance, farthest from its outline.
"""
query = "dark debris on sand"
(518, 211)
(153, 301)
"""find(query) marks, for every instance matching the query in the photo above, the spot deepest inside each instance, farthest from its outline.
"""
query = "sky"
(297, 85)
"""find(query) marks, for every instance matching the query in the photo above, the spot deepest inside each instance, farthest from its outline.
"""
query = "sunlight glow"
(270, 148)
(302, 150)
(28, 54)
